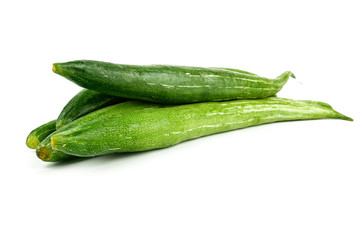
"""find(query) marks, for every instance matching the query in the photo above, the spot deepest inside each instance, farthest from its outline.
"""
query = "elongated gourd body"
(164, 127)
(86, 101)
(170, 84)
(44, 150)
(39, 134)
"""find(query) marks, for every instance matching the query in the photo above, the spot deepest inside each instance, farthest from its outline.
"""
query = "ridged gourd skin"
(164, 127)
(39, 134)
(170, 84)
(46, 153)
(86, 101)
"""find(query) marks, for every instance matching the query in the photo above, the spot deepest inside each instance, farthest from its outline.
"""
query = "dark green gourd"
(170, 84)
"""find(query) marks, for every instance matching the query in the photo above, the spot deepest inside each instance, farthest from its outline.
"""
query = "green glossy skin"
(39, 134)
(164, 127)
(170, 84)
(46, 153)
(86, 101)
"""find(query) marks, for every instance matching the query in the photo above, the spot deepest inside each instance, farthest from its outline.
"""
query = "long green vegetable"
(39, 134)
(170, 84)
(167, 126)
(86, 101)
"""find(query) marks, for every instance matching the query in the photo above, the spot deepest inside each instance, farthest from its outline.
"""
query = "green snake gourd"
(167, 126)
(170, 84)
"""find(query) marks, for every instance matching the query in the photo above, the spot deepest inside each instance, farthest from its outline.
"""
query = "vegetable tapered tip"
(286, 75)
(32, 141)
(57, 67)
(43, 153)
(292, 75)
(54, 67)
(340, 115)
(343, 117)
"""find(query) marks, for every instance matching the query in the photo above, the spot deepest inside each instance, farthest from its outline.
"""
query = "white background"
(293, 180)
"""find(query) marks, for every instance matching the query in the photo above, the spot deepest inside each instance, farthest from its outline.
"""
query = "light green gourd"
(166, 126)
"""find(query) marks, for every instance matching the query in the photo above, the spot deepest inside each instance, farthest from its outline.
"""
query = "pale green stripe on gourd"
(170, 84)
(39, 134)
(86, 101)
(164, 127)
(236, 70)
